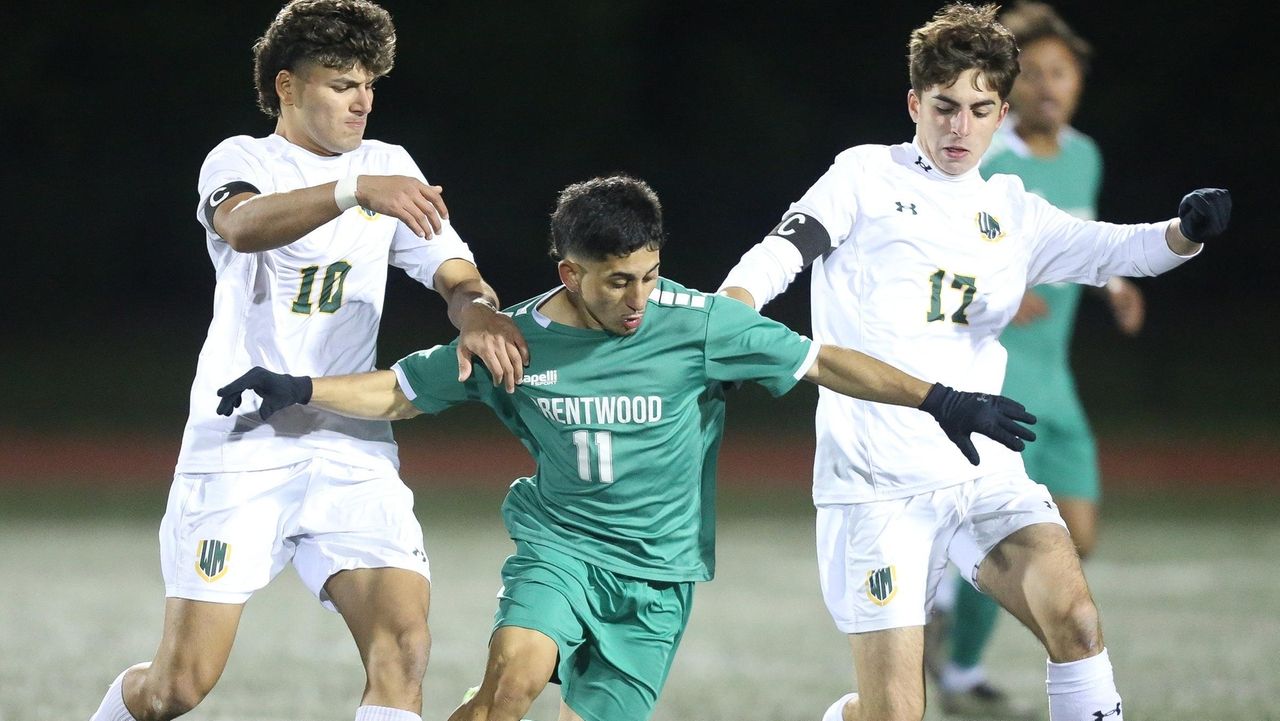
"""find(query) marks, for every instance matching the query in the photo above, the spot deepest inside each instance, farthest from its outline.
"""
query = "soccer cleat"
(984, 701)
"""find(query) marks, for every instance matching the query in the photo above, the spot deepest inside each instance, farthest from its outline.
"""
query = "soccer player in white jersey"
(920, 262)
(301, 226)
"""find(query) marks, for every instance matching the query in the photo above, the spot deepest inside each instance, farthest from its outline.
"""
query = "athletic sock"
(835, 712)
(1083, 690)
(973, 623)
(385, 713)
(958, 679)
(944, 598)
(112, 707)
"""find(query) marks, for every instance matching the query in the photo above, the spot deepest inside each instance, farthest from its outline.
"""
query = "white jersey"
(311, 307)
(923, 271)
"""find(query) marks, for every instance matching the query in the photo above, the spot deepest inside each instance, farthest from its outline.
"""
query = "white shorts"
(226, 535)
(879, 563)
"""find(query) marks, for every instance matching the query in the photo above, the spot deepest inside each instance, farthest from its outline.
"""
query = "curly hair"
(963, 37)
(1030, 21)
(603, 217)
(336, 34)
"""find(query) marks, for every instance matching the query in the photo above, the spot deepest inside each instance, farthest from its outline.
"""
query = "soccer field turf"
(1187, 586)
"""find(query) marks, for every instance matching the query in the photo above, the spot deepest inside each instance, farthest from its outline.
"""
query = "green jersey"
(624, 429)
(1070, 181)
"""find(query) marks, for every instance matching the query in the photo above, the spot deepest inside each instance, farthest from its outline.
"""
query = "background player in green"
(623, 410)
(1062, 165)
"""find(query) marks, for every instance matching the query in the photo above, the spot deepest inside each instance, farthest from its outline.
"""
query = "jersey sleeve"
(429, 379)
(422, 257)
(1070, 250)
(743, 345)
(229, 169)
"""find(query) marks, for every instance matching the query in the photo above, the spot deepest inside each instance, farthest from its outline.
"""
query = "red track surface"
(131, 459)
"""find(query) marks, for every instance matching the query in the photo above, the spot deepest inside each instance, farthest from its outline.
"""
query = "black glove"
(277, 390)
(1204, 213)
(961, 413)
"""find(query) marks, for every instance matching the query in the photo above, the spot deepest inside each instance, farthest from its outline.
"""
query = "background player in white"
(1062, 165)
(611, 534)
(301, 226)
(919, 261)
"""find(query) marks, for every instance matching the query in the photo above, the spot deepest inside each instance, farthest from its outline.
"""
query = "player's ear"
(284, 87)
(913, 105)
(570, 275)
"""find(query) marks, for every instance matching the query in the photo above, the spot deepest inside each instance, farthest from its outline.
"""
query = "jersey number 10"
(330, 290)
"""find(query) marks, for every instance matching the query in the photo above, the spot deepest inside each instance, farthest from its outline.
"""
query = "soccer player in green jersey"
(1062, 165)
(622, 407)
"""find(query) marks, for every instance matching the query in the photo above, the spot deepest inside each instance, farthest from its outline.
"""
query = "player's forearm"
(858, 375)
(269, 221)
(371, 396)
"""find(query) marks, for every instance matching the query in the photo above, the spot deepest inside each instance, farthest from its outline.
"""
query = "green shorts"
(617, 635)
(1063, 456)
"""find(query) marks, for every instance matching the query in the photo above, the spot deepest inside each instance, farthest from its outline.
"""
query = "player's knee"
(1077, 633)
(400, 659)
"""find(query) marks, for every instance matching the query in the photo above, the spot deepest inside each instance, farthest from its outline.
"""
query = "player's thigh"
(194, 645)
(887, 665)
(383, 605)
(358, 518)
(995, 508)
(225, 535)
(879, 563)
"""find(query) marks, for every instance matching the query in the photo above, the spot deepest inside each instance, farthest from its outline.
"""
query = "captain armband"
(221, 193)
(771, 265)
(806, 233)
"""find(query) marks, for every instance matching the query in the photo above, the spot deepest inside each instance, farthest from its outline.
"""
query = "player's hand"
(492, 338)
(961, 413)
(413, 202)
(277, 390)
(1031, 309)
(1204, 213)
(1127, 306)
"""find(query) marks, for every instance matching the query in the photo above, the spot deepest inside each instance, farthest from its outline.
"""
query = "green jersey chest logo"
(211, 559)
(989, 226)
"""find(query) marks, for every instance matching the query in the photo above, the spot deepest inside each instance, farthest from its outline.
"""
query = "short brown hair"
(963, 37)
(1030, 21)
(337, 34)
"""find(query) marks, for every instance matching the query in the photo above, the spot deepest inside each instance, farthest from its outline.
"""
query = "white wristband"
(344, 193)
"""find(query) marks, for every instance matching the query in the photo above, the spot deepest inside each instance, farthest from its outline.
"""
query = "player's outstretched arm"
(1202, 214)
(372, 396)
(250, 222)
(959, 413)
(484, 333)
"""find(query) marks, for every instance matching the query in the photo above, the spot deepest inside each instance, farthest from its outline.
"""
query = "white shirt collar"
(925, 167)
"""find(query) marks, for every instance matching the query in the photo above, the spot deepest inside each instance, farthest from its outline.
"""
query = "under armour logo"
(1099, 715)
(904, 207)
(921, 163)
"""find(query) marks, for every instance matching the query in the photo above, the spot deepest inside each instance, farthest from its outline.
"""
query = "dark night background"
(730, 110)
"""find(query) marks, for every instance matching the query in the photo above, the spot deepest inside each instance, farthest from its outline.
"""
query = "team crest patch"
(367, 214)
(881, 586)
(989, 227)
(211, 559)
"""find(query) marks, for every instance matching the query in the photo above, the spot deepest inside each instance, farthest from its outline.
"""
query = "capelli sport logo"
(989, 226)
(212, 558)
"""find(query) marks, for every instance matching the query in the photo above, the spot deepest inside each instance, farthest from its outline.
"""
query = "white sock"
(835, 712)
(944, 596)
(1083, 690)
(383, 713)
(957, 679)
(112, 707)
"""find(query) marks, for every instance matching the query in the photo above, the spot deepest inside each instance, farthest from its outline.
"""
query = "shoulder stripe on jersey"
(670, 297)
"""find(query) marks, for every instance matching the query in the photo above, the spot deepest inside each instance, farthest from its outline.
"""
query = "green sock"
(974, 620)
